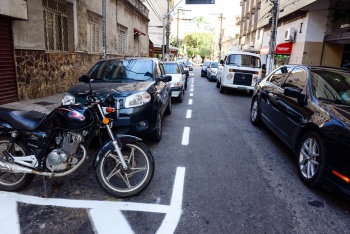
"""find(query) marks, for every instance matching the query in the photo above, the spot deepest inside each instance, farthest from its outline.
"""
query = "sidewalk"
(44, 105)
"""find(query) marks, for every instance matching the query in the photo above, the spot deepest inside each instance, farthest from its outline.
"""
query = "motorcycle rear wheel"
(14, 181)
(126, 183)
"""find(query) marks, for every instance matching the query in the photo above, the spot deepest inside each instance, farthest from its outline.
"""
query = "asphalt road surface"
(215, 173)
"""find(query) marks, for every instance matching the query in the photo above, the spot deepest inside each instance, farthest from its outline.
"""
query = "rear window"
(243, 60)
(171, 68)
(332, 85)
(214, 65)
(206, 63)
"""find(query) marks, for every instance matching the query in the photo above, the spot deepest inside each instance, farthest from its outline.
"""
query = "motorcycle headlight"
(137, 99)
(68, 99)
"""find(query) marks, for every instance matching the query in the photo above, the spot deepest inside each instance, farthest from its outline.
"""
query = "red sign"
(284, 48)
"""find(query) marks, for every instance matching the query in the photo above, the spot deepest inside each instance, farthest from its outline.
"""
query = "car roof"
(132, 58)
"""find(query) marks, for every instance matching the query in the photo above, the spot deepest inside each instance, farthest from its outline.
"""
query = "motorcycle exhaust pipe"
(14, 168)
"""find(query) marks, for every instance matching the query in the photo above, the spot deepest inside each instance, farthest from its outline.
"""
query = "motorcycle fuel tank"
(70, 117)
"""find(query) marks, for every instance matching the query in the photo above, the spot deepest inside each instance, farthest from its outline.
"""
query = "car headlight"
(177, 84)
(137, 99)
(68, 99)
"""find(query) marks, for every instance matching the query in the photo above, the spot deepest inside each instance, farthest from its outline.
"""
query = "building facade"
(310, 32)
(55, 41)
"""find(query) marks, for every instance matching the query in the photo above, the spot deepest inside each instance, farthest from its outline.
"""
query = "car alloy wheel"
(312, 160)
(255, 112)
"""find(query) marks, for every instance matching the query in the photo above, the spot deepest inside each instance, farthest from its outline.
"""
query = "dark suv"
(141, 87)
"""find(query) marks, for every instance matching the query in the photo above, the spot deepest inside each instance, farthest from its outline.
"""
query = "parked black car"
(204, 68)
(308, 108)
(141, 87)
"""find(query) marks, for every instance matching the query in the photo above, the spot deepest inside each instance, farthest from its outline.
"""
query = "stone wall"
(41, 74)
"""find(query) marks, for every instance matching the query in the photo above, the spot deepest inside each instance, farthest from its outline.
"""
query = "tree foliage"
(198, 43)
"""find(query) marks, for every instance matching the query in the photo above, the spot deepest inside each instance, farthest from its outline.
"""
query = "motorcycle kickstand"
(55, 185)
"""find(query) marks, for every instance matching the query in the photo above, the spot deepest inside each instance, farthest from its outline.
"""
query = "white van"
(238, 70)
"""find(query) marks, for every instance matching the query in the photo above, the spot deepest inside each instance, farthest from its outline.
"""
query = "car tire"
(217, 84)
(180, 98)
(169, 108)
(222, 88)
(156, 134)
(255, 116)
(312, 160)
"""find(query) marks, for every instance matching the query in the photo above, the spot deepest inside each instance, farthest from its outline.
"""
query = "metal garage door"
(8, 84)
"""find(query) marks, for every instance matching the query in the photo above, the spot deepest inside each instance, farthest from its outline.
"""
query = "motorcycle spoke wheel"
(125, 183)
(13, 181)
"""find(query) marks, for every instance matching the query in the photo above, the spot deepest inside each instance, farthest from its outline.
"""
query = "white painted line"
(191, 85)
(102, 219)
(191, 94)
(97, 210)
(190, 101)
(186, 136)
(188, 114)
(191, 90)
(171, 219)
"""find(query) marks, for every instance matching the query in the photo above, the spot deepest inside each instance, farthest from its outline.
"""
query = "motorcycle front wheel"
(13, 181)
(126, 183)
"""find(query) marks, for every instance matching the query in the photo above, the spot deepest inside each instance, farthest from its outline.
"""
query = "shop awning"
(283, 48)
(138, 31)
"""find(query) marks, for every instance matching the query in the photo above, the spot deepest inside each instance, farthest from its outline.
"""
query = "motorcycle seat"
(21, 120)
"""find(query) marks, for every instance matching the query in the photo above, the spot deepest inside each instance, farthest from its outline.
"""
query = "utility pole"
(167, 33)
(165, 16)
(104, 28)
(220, 36)
(272, 44)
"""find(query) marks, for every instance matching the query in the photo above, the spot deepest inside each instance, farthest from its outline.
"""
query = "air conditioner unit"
(289, 34)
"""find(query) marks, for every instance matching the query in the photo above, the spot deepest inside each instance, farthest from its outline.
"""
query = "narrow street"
(215, 173)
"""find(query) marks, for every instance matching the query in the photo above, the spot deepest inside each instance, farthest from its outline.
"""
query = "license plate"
(242, 88)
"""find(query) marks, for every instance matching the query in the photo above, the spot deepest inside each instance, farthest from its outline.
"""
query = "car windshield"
(171, 68)
(243, 60)
(331, 85)
(206, 63)
(214, 65)
(122, 70)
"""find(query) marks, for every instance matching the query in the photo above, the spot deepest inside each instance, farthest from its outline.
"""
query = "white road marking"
(186, 136)
(191, 94)
(190, 101)
(189, 114)
(192, 85)
(98, 209)
(191, 90)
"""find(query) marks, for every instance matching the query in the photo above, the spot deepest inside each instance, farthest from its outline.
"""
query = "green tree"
(198, 43)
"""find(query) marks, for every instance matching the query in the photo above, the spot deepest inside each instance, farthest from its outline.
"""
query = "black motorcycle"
(55, 145)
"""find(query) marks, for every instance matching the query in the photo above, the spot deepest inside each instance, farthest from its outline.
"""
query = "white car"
(178, 81)
(212, 71)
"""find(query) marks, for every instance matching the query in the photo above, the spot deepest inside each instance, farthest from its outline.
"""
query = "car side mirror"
(165, 78)
(85, 79)
(185, 72)
(295, 93)
(222, 62)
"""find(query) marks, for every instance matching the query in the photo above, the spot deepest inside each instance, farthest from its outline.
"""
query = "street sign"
(200, 1)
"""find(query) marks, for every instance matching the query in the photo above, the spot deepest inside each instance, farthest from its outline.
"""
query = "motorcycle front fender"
(108, 146)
